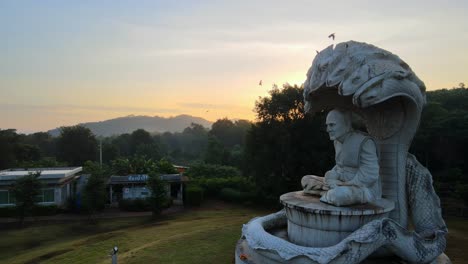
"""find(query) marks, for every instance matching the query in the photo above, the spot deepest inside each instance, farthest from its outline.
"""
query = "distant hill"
(131, 123)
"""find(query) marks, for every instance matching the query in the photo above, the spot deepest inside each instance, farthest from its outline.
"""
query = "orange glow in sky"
(69, 62)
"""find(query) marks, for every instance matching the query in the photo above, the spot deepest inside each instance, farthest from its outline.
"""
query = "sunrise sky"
(66, 62)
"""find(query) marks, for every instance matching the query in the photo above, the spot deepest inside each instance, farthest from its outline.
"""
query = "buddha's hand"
(312, 182)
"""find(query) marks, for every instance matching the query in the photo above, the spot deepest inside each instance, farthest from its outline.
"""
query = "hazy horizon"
(67, 63)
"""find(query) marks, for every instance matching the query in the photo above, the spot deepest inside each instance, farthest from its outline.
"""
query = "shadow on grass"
(48, 256)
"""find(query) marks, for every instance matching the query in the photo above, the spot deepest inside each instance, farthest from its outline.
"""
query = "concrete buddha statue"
(355, 177)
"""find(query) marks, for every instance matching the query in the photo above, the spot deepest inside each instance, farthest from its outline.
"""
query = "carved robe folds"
(355, 177)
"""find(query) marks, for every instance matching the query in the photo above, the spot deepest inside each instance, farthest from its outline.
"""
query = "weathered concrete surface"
(315, 224)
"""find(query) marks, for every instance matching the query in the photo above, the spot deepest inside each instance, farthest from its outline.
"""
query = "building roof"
(59, 174)
(142, 178)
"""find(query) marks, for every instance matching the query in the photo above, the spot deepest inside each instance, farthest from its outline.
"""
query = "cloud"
(209, 106)
(71, 107)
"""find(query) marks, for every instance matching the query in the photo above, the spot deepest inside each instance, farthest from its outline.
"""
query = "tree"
(230, 133)
(8, 144)
(25, 190)
(94, 192)
(158, 189)
(216, 153)
(166, 167)
(285, 144)
(123, 143)
(26, 152)
(44, 141)
(76, 144)
(134, 165)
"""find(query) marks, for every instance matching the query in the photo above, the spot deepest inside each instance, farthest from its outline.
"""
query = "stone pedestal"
(312, 223)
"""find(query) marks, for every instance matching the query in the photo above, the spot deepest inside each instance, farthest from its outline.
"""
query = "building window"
(49, 195)
(7, 197)
(46, 196)
(4, 197)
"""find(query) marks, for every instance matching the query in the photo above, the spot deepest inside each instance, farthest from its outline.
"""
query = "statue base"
(246, 255)
(313, 223)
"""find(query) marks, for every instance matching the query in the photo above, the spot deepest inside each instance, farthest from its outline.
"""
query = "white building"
(58, 184)
(134, 187)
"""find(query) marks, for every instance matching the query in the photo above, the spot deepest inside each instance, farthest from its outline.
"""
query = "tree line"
(273, 153)
(222, 144)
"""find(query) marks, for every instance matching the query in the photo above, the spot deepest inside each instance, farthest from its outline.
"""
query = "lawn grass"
(205, 235)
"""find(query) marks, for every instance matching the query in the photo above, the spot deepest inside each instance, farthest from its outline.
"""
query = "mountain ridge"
(130, 123)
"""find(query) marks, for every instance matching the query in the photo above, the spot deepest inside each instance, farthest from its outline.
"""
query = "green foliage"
(76, 144)
(230, 133)
(46, 162)
(234, 195)
(193, 195)
(143, 144)
(141, 165)
(8, 141)
(442, 138)
(44, 141)
(15, 151)
(135, 205)
(9, 211)
(26, 152)
(133, 165)
(202, 170)
(285, 144)
(225, 142)
(187, 146)
(25, 190)
(213, 186)
(165, 167)
(158, 197)
(216, 153)
(283, 105)
(45, 210)
(94, 192)
(36, 210)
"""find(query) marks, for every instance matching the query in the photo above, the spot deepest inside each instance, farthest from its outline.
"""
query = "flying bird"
(332, 35)
(260, 83)
(317, 51)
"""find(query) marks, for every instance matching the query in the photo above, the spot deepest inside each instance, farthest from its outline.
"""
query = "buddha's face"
(337, 126)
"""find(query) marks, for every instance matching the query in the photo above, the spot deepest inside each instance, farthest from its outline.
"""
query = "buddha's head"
(338, 124)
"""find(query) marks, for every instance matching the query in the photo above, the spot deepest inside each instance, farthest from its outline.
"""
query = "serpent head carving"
(369, 74)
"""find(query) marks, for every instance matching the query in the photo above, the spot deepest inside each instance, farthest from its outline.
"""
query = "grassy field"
(205, 235)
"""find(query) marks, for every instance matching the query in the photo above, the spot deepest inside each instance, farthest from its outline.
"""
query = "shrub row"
(213, 186)
(39, 210)
(140, 205)
(235, 196)
(202, 170)
(193, 195)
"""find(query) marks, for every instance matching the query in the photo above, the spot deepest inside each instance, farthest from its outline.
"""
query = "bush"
(9, 211)
(213, 186)
(37, 210)
(235, 196)
(135, 205)
(202, 170)
(44, 210)
(194, 195)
